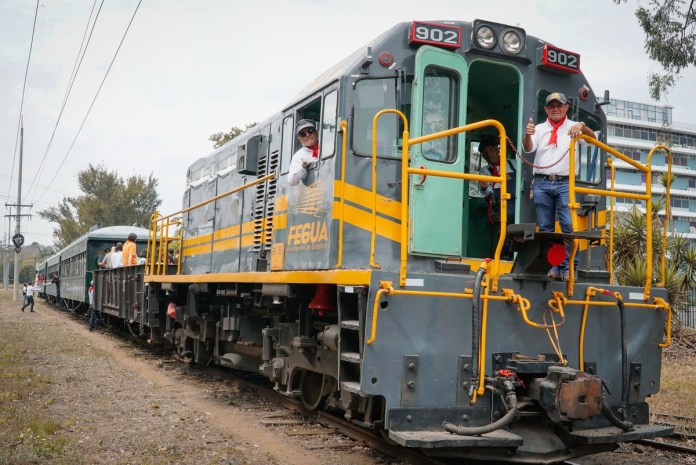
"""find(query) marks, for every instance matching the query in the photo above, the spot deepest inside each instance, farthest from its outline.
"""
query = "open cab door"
(438, 104)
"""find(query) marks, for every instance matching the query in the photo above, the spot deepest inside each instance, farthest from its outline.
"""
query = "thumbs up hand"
(530, 127)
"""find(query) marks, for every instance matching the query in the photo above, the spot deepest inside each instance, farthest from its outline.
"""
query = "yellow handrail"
(647, 197)
(342, 193)
(658, 303)
(405, 136)
(406, 170)
(668, 187)
(162, 224)
(387, 287)
(612, 203)
(555, 305)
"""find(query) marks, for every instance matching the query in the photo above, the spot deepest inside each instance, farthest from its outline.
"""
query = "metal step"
(351, 324)
(438, 439)
(352, 357)
(351, 386)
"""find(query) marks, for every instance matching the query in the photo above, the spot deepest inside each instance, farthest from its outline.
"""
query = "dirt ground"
(70, 396)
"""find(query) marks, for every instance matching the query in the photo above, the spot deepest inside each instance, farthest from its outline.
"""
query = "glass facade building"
(634, 129)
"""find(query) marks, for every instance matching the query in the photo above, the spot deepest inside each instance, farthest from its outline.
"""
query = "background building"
(635, 128)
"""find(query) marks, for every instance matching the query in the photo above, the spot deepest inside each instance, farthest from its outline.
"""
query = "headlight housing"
(511, 42)
(485, 37)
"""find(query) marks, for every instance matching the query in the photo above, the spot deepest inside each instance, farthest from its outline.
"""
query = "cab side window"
(327, 139)
(286, 148)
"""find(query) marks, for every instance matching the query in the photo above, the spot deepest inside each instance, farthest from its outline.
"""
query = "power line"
(24, 87)
(93, 100)
(73, 76)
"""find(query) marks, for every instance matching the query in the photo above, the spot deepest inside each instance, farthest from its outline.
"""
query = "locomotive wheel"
(312, 389)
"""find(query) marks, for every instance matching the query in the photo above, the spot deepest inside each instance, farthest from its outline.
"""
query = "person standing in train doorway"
(308, 154)
(56, 281)
(551, 142)
(490, 151)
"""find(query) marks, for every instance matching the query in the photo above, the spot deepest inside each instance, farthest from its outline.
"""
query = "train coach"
(376, 285)
(76, 263)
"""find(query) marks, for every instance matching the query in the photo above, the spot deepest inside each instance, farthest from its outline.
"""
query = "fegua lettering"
(307, 233)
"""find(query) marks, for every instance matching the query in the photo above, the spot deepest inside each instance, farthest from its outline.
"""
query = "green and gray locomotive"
(376, 286)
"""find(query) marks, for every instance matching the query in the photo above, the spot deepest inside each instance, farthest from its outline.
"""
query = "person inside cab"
(490, 151)
(306, 132)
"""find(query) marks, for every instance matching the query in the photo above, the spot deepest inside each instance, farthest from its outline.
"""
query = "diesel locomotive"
(376, 287)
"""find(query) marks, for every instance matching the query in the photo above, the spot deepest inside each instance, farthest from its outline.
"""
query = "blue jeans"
(551, 200)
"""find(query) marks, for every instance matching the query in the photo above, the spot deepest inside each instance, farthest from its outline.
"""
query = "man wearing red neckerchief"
(551, 141)
(306, 132)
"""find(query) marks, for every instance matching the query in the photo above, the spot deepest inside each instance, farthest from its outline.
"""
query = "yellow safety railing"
(159, 227)
(387, 288)
(406, 170)
(612, 203)
(342, 193)
(647, 197)
(658, 303)
(156, 257)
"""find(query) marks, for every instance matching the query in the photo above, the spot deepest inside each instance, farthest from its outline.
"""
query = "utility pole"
(18, 239)
(6, 257)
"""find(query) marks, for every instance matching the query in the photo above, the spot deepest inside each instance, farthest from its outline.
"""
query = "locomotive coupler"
(567, 394)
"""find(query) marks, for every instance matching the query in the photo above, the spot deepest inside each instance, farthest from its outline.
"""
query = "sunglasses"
(306, 132)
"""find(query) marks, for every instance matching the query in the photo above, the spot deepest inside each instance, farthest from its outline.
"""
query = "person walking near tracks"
(29, 298)
(551, 142)
(93, 317)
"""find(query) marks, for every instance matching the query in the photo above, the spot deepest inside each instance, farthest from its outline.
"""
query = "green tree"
(670, 40)
(108, 200)
(221, 138)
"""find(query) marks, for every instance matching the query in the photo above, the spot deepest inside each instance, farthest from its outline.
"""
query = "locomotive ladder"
(351, 299)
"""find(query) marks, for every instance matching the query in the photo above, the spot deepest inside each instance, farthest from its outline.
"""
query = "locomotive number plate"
(440, 35)
(559, 59)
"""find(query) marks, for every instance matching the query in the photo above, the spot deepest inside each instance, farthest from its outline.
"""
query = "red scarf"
(315, 150)
(554, 134)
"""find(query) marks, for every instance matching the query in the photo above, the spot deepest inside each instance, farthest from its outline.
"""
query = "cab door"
(437, 203)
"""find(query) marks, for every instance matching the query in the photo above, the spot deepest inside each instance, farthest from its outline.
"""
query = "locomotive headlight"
(511, 42)
(485, 37)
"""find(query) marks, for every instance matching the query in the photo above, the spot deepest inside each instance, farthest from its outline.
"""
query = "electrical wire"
(73, 75)
(93, 101)
(24, 87)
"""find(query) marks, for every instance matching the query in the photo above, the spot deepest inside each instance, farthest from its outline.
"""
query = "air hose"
(511, 399)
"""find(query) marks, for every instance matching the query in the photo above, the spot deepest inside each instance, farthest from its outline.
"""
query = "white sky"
(190, 68)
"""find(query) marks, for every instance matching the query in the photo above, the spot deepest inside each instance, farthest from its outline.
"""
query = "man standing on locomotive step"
(309, 152)
(551, 141)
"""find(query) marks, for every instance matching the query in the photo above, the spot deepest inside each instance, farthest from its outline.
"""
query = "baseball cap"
(487, 142)
(556, 96)
(304, 123)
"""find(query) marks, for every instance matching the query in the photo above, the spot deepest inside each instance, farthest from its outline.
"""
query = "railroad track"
(681, 440)
(685, 427)
(263, 388)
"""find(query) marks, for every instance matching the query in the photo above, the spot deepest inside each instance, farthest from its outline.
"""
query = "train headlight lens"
(485, 37)
(512, 42)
